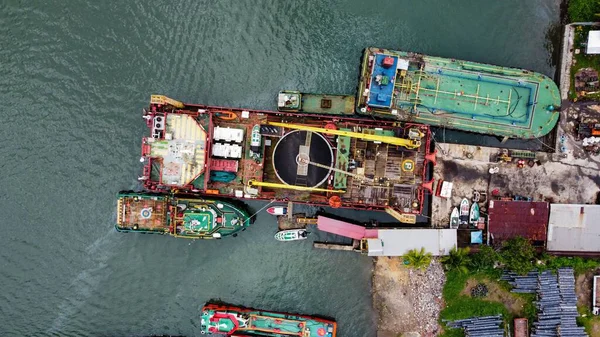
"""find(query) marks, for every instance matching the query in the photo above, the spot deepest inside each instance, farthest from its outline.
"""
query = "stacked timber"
(487, 326)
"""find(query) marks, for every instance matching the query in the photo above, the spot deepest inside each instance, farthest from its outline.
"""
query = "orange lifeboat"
(225, 115)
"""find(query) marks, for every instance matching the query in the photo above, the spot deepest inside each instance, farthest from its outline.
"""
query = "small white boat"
(454, 218)
(277, 210)
(291, 235)
(474, 214)
(464, 211)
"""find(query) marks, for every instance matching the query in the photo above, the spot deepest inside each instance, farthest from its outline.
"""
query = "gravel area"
(407, 301)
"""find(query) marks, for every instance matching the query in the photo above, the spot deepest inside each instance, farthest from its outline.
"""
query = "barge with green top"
(295, 101)
(228, 320)
(463, 95)
(179, 215)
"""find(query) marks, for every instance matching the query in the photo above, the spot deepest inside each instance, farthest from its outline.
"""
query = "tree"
(458, 260)
(484, 259)
(583, 10)
(517, 255)
(419, 259)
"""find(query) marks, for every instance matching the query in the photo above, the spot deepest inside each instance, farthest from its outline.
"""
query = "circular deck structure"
(303, 158)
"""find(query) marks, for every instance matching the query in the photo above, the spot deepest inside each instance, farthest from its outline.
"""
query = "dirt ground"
(556, 180)
(497, 294)
(583, 287)
(407, 301)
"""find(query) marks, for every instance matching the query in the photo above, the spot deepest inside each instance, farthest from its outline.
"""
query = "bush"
(485, 259)
(580, 265)
(458, 260)
(418, 259)
(517, 255)
(583, 10)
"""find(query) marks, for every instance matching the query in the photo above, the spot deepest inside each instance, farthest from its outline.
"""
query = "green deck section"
(466, 95)
(316, 103)
(262, 323)
(341, 161)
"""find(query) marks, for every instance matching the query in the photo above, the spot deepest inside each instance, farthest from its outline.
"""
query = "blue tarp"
(477, 237)
(381, 94)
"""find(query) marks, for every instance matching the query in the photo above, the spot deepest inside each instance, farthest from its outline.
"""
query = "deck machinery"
(286, 156)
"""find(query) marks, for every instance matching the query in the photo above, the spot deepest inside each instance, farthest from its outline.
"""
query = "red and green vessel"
(327, 160)
(227, 320)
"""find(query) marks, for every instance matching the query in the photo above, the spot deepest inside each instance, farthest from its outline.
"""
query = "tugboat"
(292, 235)
(179, 215)
(227, 320)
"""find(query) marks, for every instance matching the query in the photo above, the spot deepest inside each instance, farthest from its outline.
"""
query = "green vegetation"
(418, 259)
(458, 259)
(582, 60)
(517, 255)
(484, 260)
(580, 265)
(583, 10)
(486, 266)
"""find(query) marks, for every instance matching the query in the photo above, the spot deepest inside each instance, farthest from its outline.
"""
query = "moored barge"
(179, 215)
(327, 160)
(227, 320)
(463, 95)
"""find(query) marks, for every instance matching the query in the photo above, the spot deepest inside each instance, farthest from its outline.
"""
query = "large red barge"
(325, 160)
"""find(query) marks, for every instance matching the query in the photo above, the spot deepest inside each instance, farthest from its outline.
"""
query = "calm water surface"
(74, 75)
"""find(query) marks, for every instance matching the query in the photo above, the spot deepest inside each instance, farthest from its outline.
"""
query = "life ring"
(205, 313)
(330, 126)
(335, 201)
(408, 165)
(202, 332)
(146, 213)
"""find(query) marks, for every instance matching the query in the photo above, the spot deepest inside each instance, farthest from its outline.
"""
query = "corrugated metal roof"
(574, 228)
(593, 44)
(397, 242)
(340, 228)
(508, 219)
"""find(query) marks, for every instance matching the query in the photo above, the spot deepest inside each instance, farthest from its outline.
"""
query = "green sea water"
(74, 76)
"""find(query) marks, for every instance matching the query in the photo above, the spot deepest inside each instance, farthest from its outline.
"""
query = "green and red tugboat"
(226, 320)
(179, 215)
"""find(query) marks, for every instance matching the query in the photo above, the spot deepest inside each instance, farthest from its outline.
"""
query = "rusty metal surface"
(508, 219)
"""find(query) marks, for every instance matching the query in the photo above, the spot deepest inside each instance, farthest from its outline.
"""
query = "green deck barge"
(295, 101)
(456, 94)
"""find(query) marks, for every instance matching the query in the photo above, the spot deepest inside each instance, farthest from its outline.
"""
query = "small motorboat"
(474, 214)
(454, 218)
(291, 235)
(464, 211)
(277, 210)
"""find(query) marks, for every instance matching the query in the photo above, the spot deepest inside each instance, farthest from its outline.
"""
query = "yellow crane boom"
(254, 183)
(407, 143)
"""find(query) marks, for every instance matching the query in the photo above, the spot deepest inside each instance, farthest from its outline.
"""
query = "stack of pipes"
(487, 326)
(557, 306)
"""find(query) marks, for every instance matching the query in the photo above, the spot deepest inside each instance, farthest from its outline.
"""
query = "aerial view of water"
(74, 76)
